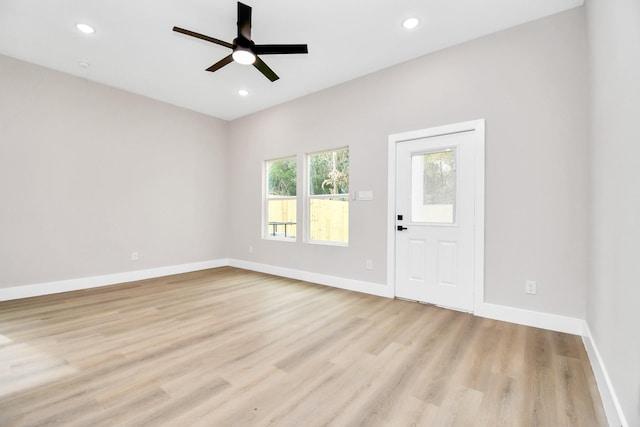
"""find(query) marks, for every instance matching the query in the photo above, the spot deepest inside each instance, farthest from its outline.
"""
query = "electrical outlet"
(369, 264)
(250, 249)
(530, 287)
(134, 256)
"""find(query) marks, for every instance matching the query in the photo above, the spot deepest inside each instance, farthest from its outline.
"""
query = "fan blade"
(279, 49)
(264, 69)
(202, 36)
(221, 63)
(244, 21)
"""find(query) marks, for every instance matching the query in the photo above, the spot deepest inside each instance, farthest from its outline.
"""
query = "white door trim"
(477, 127)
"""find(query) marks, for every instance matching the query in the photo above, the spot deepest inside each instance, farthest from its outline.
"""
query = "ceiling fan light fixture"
(410, 23)
(85, 28)
(243, 56)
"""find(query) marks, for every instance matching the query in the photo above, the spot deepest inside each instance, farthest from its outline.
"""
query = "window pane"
(281, 221)
(281, 177)
(433, 187)
(280, 203)
(329, 196)
(329, 172)
(329, 219)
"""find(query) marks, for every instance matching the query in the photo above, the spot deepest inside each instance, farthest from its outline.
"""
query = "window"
(280, 200)
(328, 197)
(433, 187)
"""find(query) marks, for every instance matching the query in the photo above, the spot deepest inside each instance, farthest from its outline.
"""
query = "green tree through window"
(282, 177)
(329, 172)
(439, 178)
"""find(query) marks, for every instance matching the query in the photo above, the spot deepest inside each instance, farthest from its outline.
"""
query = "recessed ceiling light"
(85, 28)
(243, 92)
(410, 23)
(84, 64)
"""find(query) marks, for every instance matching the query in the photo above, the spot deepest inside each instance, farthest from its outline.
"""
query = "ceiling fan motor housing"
(242, 42)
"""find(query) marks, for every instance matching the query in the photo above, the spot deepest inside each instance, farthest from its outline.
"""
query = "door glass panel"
(433, 187)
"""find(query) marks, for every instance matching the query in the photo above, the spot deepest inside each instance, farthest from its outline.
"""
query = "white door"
(434, 253)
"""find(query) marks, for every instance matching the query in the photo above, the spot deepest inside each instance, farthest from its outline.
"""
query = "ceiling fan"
(245, 51)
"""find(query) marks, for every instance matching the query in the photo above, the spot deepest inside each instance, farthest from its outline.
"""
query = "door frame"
(478, 129)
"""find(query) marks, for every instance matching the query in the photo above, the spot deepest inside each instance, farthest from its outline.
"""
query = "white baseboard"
(322, 279)
(610, 401)
(38, 289)
(48, 288)
(553, 322)
(519, 316)
(492, 311)
(569, 325)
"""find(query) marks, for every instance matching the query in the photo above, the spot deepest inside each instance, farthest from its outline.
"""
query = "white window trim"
(264, 227)
(306, 200)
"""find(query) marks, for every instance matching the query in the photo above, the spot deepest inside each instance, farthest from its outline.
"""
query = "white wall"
(613, 298)
(529, 83)
(89, 174)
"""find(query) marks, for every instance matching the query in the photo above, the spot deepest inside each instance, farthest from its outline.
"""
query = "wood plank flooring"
(228, 347)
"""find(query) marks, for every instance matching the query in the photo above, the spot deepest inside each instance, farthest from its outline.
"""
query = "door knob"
(400, 228)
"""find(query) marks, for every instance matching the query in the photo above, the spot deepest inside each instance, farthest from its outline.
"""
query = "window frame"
(264, 224)
(454, 222)
(307, 197)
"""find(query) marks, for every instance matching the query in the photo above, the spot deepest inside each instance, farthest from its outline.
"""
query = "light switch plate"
(365, 195)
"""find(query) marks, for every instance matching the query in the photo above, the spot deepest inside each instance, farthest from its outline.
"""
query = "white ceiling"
(135, 49)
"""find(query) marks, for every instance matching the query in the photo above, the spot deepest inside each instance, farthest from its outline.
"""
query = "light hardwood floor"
(228, 347)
